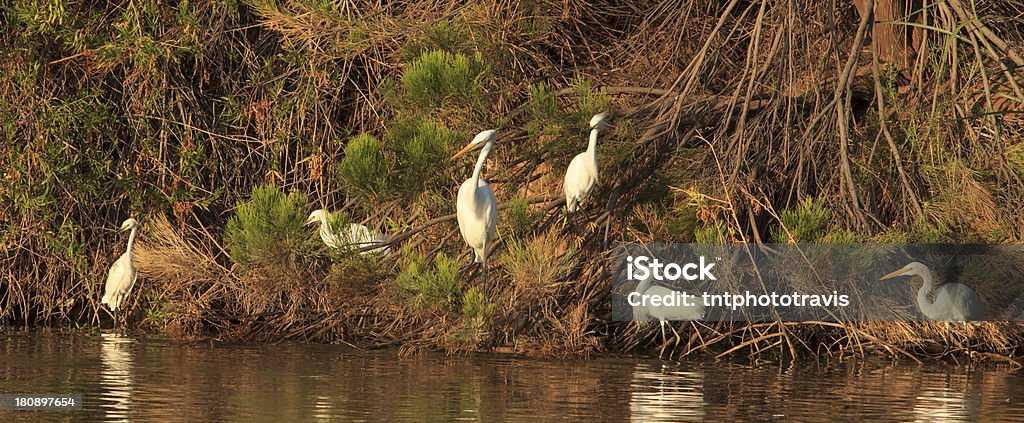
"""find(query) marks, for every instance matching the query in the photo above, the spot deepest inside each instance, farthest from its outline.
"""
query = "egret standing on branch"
(475, 207)
(581, 176)
(122, 274)
(953, 302)
(354, 236)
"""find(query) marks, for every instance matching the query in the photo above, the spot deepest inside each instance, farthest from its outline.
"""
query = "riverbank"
(738, 123)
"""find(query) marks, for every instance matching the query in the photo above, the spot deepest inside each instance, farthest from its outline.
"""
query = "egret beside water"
(953, 302)
(122, 274)
(664, 313)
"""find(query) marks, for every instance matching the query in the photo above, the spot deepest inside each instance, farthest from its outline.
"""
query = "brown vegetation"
(726, 114)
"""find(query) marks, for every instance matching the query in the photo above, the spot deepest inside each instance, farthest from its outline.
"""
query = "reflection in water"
(116, 376)
(665, 396)
(156, 380)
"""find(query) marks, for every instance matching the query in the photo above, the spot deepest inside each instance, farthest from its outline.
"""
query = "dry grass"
(764, 103)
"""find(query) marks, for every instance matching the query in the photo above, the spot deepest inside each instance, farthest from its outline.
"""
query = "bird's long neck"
(480, 165)
(926, 288)
(643, 285)
(592, 147)
(131, 240)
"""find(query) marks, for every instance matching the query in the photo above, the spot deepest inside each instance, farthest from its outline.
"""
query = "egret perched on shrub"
(122, 274)
(953, 302)
(664, 313)
(581, 176)
(476, 207)
(353, 236)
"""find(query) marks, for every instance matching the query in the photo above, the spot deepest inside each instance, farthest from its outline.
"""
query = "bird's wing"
(964, 302)
(694, 311)
(120, 279)
(490, 213)
(579, 179)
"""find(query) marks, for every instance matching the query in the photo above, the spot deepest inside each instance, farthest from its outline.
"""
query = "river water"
(143, 379)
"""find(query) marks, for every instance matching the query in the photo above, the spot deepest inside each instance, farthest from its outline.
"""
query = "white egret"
(475, 207)
(122, 274)
(645, 309)
(353, 236)
(953, 302)
(581, 176)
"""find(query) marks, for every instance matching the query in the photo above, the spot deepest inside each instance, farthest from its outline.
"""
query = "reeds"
(728, 116)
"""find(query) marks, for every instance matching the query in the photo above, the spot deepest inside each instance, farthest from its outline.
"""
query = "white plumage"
(353, 236)
(953, 302)
(581, 175)
(665, 313)
(122, 274)
(475, 206)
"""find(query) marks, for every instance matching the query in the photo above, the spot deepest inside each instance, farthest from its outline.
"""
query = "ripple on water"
(126, 379)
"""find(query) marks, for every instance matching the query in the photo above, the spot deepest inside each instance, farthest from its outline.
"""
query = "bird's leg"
(484, 264)
(678, 338)
(664, 340)
(948, 336)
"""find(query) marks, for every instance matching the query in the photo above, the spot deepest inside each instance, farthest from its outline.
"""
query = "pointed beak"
(310, 220)
(894, 274)
(463, 151)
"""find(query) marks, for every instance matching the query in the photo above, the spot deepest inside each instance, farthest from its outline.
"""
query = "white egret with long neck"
(644, 309)
(475, 207)
(122, 274)
(581, 175)
(353, 236)
(953, 302)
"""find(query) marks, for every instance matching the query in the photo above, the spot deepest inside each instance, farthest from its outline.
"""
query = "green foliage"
(365, 169)
(430, 285)
(445, 35)
(917, 233)
(476, 307)
(268, 229)
(422, 148)
(438, 77)
(716, 233)
(543, 104)
(517, 219)
(589, 101)
(807, 222)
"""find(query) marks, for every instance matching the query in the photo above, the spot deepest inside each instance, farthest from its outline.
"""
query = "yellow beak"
(463, 151)
(894, 274)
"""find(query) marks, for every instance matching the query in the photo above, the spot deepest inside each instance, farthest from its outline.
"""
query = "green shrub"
(517, 219)
(807, 222)
(422, 147)
(365, 169)
(476, 308)
(716, 233)
(589, 101)
(269, 229)
(437, 77)
(443, 35)
(543, 104)
(438, 285)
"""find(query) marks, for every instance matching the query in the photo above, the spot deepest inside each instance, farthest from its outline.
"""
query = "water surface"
(125, 379)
